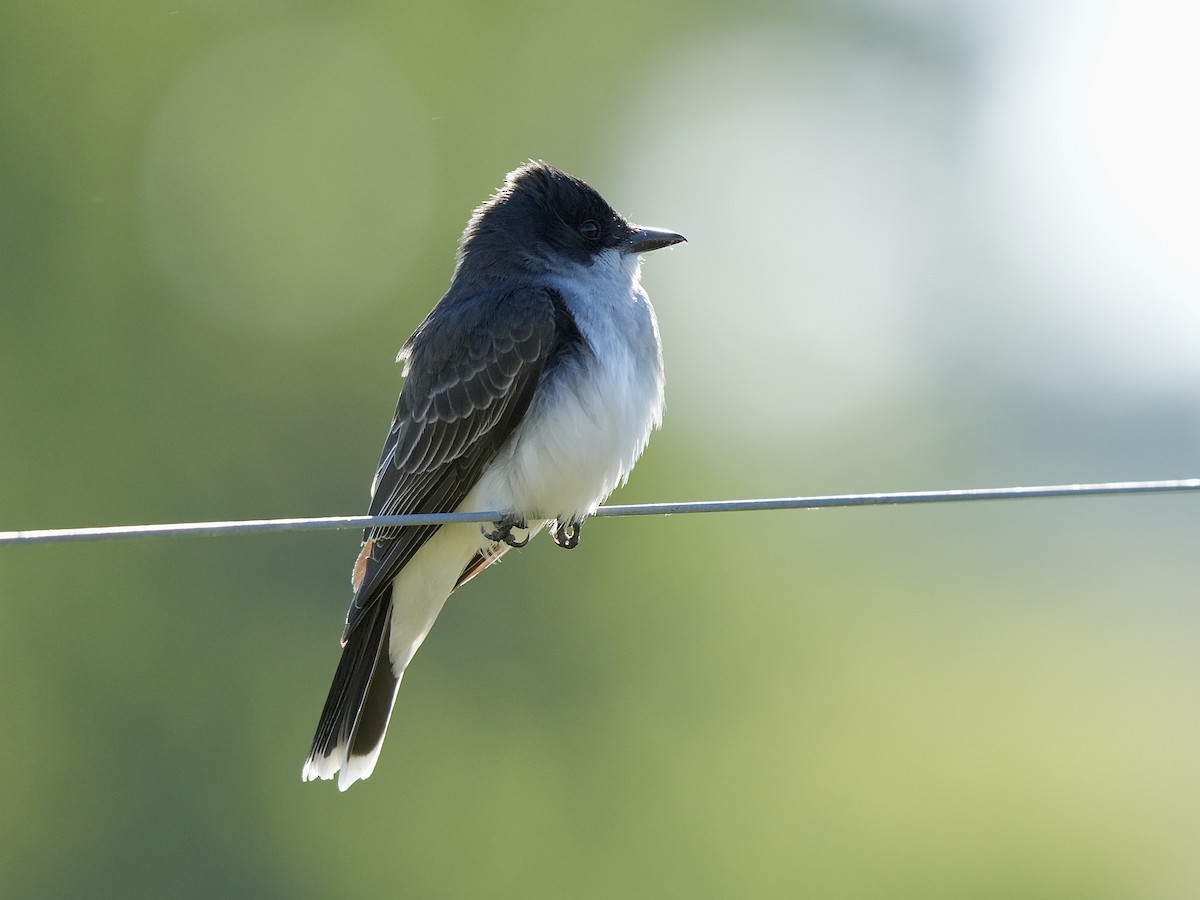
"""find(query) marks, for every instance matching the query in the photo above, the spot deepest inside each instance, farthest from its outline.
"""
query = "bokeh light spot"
(286, 178)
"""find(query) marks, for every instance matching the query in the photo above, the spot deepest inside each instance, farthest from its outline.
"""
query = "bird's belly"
(578, 441)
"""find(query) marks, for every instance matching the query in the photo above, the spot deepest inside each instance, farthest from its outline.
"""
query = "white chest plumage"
(590, 421)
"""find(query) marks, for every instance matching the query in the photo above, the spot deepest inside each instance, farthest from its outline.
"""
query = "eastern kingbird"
(530, 389)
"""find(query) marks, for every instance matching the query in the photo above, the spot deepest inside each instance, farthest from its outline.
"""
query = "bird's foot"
(566, 535)
(504, 532)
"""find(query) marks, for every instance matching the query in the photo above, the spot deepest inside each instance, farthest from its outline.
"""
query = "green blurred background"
(934, 244)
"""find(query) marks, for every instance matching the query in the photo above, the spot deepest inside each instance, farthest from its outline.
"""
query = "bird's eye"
(590, 229)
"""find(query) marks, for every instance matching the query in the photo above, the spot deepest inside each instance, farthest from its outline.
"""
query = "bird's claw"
(504, 532)
(566, 535)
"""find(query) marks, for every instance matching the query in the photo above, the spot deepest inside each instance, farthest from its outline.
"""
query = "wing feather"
(473, 367)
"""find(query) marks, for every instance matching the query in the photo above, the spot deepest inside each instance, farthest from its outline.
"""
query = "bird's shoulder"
(476, 323)
(473, 349)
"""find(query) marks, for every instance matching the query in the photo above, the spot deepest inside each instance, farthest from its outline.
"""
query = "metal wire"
(115, 532)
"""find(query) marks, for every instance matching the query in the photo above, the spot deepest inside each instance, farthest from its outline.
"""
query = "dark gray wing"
(474, 365)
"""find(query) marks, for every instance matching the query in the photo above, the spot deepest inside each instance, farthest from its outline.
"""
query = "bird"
(530, 389)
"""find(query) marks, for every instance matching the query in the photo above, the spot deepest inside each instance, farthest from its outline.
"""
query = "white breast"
(588, 425)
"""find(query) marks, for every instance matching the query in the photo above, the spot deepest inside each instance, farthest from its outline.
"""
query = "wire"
(115, 532)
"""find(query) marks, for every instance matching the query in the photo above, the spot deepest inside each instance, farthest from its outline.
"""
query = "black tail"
(359, 704)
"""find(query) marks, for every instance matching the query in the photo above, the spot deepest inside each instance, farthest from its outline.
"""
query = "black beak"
(646, 239)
